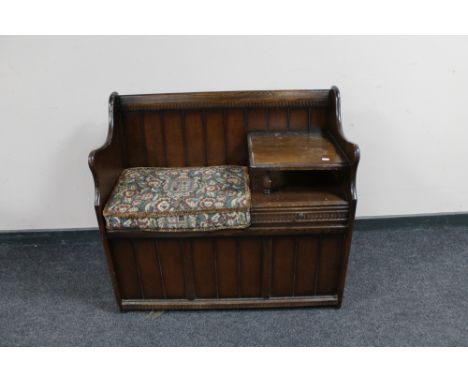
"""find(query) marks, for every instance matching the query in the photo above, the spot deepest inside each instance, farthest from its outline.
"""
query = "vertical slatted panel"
(238, 268)
(170, 256)
(138, 270)
(154, 138)
(174, 139)
(163, 137)
(267, 267)
(120, 138)
(215, 148)
(227, 267)
(283, 266)
(306, 266)
(195, 138)
(127, 275)
(278, 119)
(148, 266)
(245, 116)
(298, 119)
(134, 136)
(158, 261)
(330, 255)
(206, 137)
(296, 253)
(215, 265)
(257, 119)
(187, 260)
(237, 143)
(250, 251)
(319, 117)
(204, 263)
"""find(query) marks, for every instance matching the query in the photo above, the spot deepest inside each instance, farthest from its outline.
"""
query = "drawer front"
(299, 217)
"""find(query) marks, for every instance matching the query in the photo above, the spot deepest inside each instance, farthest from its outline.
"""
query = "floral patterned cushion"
(180, 199)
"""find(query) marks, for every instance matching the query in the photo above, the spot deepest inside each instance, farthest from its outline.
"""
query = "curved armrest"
(351, 150)
(106, 162)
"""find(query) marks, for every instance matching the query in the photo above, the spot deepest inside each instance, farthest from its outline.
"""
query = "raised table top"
(313, 150)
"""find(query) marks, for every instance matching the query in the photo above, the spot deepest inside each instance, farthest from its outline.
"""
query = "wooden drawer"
(300, 207)
(301, 216)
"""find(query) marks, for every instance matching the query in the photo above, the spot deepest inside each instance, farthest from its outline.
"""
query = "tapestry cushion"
(180, 199)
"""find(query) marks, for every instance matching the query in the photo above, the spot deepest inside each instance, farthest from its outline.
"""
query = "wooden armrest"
(350, 149)
(106, 162)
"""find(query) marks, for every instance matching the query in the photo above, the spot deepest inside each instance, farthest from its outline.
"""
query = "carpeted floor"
(406, 287)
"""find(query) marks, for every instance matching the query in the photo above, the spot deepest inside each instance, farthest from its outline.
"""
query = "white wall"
(404, 101)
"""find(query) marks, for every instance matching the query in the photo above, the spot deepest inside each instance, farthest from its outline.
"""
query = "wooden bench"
(303, 199)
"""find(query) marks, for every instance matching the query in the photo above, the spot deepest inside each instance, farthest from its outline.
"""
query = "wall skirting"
(412, 221)
(45, 236)
(86, 235)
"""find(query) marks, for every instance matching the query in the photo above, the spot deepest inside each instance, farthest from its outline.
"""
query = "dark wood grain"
(278, 119)
(298, 119)
(294, 150)
(235, 132)
(125, 267)
(283, 266)
(250, 252)
(295, 253)
(329, 264)
(204, 263)
(306, 267)
(172, 265)
(154, 140)
(267, 267)
(134, 137)
(228, 284)
(148, 269)
(237, 303)
(195, 139)
(108, 161)
(215, 137)
(175, 142)
(257, 119)
(233, 99)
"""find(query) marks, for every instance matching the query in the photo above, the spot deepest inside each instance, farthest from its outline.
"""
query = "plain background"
(403, 101)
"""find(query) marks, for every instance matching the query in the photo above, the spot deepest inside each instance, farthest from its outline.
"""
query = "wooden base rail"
(234, 303)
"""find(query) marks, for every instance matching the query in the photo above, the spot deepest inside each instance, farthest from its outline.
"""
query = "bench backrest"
(200, 129)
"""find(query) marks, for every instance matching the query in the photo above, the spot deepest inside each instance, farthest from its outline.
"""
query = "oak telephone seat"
(226, 199)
